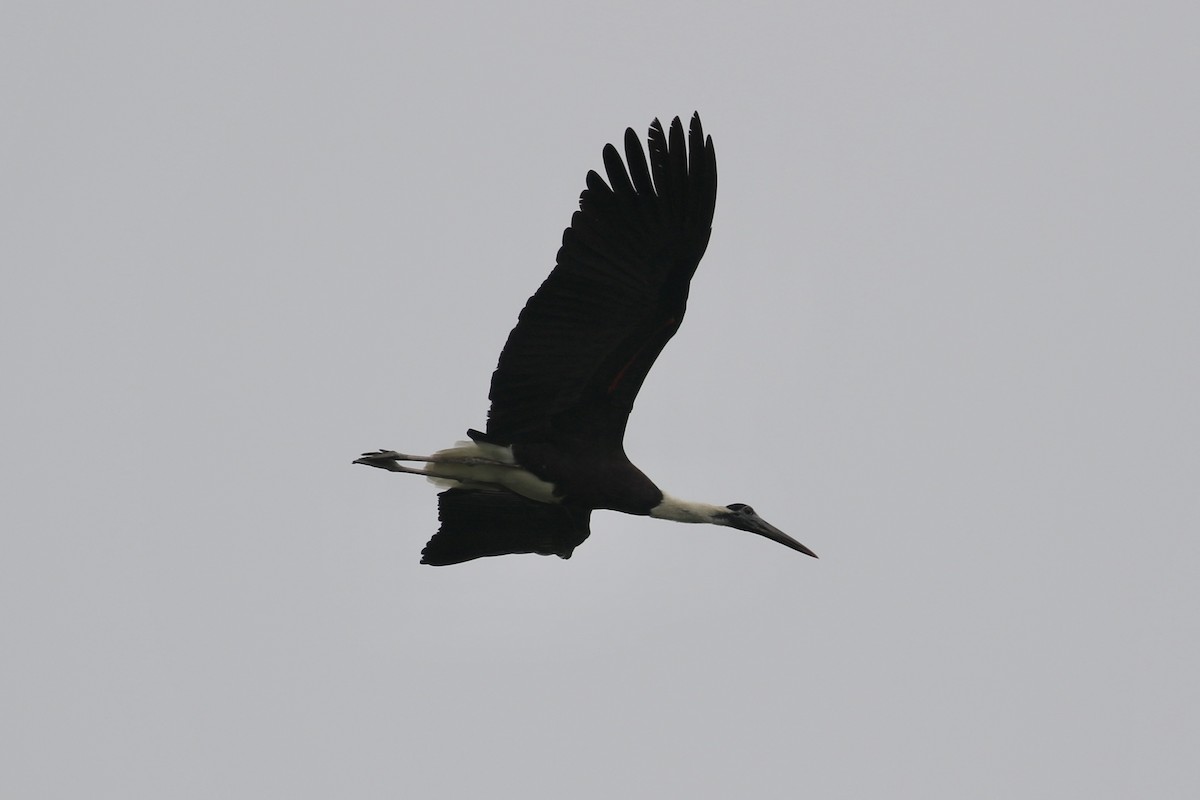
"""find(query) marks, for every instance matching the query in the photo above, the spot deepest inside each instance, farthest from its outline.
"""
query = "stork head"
(742, 517)
(736, 515)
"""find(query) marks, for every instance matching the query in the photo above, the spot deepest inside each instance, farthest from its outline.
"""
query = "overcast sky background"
(945, 334)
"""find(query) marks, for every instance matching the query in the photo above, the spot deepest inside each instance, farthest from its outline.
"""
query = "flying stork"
(572, 367)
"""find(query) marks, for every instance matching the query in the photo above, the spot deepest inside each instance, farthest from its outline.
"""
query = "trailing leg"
(390, 460)
(387, 459)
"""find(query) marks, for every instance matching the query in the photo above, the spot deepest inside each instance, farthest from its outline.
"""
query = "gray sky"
(945, 334)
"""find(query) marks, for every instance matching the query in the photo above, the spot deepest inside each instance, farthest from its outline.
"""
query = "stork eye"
(740, 508)
(748, 511)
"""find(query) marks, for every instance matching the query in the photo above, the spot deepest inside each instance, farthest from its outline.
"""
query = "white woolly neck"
(677, 510)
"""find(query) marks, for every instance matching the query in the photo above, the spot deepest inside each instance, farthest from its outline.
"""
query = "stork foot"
(387, 459)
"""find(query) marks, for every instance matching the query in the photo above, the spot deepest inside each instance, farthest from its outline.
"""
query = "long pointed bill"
(756, 524)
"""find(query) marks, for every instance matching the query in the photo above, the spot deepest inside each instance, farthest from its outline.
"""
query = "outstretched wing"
(495, 522)
(582, 346)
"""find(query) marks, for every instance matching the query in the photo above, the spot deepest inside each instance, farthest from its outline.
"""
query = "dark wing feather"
(582, 346)
(494, 522)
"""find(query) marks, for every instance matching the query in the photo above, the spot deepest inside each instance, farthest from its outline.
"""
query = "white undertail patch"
(448, 470)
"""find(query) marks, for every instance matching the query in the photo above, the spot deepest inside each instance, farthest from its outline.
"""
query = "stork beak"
(756, 524)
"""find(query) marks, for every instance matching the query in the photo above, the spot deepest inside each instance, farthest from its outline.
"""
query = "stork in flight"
(572, 367)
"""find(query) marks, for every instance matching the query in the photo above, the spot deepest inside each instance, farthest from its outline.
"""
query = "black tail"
(495, 522)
